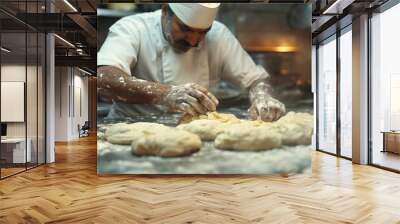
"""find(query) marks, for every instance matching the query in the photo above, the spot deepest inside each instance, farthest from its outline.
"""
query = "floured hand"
(190, 98)
(263, 105)
(266, 109)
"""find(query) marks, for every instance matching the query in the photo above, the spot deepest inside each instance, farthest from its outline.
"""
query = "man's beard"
(180, 46)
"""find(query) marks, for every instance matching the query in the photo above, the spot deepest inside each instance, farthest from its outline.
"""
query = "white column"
(50, 93)
(62, 103)
(50, 110)
(360, 90)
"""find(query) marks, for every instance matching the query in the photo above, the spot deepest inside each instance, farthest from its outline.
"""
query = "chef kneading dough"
(154, 139)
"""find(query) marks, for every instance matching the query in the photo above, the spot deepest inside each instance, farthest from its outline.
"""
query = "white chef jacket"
(136, 45)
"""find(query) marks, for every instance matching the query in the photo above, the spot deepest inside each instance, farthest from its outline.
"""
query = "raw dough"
(226, 118)
(247, 137)
(169, 143)
(153, 139)
(207, 130)
(186, 118)
(232, 133)
(124, 134)
(295, 128)
(227, 131)
(210, 125)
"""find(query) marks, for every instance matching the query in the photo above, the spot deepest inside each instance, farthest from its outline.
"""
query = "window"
(22, 76)
(385, 88)
(346, 93)
(327, 95)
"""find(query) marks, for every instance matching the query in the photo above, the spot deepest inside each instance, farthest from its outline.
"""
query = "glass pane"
(22, 77)
(13, 86)
(17, 9)
(32, 97)
(346, 94)
(41, 98)
(327, 96)
(386, 89)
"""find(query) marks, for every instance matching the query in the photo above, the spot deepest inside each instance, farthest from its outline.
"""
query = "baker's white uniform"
(136, 45)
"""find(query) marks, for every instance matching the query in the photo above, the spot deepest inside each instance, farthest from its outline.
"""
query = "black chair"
(84, 130)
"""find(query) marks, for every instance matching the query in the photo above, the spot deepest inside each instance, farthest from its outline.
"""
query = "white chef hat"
(196, 15)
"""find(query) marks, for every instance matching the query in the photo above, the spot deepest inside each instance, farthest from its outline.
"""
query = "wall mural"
(228, 92)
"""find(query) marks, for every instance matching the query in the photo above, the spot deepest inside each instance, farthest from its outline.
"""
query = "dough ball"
(210, 125)
(155, 139)
(167, 143)
(117, 129)
(296, 128)
(246, 137)
(225, 118)
(293, 134)
(124, 134)
(292, 129)
(255, 123)
(207, 130)
(125, 138)
(303, 119)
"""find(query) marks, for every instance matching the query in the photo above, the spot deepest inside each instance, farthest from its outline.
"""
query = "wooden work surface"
(391, 141)
(70, 191)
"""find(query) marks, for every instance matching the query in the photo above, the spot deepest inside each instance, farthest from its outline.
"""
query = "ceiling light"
(331, 7)
(5, 50)
(338, 6)
(65, 41)
(71, 6)
(79, 51)
(86, 72)
(284, 49)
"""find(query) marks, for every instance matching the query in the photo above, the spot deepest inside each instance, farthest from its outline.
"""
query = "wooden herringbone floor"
(70, 191)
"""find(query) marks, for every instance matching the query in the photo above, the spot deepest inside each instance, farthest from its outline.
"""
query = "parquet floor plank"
(70, 191)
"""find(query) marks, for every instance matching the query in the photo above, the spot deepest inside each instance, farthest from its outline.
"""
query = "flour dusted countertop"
(118, 159)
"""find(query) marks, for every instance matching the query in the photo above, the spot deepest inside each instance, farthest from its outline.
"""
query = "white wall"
(16, 73)
(12, 73)
(69, 85)
(12, 101)
(80, 100)
(61, 103)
